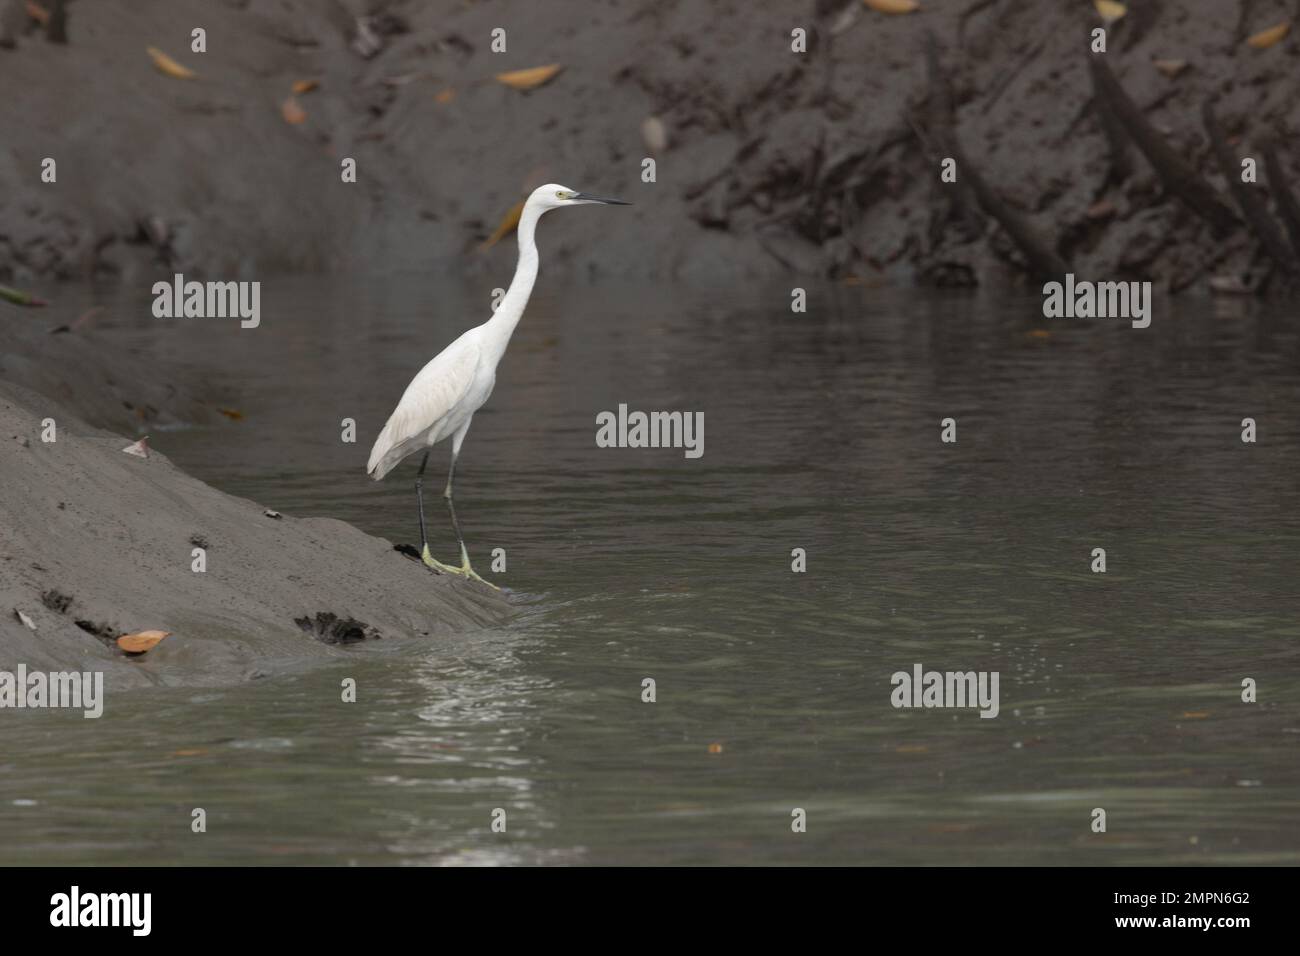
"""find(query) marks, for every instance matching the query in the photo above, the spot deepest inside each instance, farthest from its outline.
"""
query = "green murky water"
(1119, 691)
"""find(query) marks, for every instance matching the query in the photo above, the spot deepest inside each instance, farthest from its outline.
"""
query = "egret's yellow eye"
(560, 194)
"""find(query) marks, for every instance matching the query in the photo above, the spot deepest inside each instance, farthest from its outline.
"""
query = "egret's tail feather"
(385, 456)
(377, 469)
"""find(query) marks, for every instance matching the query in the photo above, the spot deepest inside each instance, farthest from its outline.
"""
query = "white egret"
(444, 395)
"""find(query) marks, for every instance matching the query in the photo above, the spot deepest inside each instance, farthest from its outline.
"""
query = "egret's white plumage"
(441, 400)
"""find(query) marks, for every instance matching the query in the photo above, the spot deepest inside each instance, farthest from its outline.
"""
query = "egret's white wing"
(423, 415)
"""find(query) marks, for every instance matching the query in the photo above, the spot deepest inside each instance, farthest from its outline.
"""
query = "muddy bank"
(65, 356)
(769, 162)
(95, 543)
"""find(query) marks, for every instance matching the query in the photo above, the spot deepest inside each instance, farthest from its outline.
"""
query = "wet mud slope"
(95, 544)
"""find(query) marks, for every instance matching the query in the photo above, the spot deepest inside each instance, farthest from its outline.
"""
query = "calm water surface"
(1119, 690)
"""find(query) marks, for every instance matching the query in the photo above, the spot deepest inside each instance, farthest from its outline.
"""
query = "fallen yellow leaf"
(1266, 38)
(715, 748)
(445, 96)
(304, 86)
(141, 642)
(293, 112)
(1170, 68)
(169, 66)
(1195, 714)
(529, 79)
(507, 224)
(1110, 10)
(1040, 334)
(190, 752)
(893, 6)
(234, 414)
(20, 298)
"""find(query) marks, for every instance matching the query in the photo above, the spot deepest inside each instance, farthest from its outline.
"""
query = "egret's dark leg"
(425, 554)
(419, 501)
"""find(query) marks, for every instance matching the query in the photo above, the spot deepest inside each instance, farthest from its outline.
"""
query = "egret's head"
(553, 196)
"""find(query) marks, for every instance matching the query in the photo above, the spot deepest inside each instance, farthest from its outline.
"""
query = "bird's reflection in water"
(468, 747)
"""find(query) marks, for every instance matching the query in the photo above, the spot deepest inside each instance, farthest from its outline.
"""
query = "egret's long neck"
(502, 325)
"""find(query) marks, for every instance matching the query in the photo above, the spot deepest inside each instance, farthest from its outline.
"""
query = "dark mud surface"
(768, 162)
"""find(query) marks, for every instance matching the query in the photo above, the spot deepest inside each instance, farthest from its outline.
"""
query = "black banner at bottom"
(334, 906)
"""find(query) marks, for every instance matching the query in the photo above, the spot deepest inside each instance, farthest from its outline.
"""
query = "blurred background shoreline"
(769, 162)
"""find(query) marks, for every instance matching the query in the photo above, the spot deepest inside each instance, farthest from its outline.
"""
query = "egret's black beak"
(587, 197)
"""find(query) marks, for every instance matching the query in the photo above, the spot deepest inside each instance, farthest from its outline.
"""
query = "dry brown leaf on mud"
(1110, 10)
(531, 78)
(893, 6)
(293, 112)
(1195, 714)
(1101, 209)
(1266, 38)
(234, 414)
(38, 13)
(507, 225)
(715, 748)
(911, 749)
(1170, 68)
(188, 752)
(142, 641)
(304, 86)
(445, 96)
(167, 65)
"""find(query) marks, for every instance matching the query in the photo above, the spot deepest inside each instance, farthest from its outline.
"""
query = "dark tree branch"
(1121, 164)
(56, 27)
(941, 122)
(1180, 177)
(1043, 260)
(1248, 199)
(1287, 206)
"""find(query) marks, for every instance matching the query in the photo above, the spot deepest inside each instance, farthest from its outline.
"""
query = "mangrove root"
(1043, 260)
(1287, 206)
(1248, 199)
(1178, 176)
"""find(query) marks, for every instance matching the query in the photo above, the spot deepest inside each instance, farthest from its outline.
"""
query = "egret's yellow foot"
(432, 562)
(473, 576)
(464, 570)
